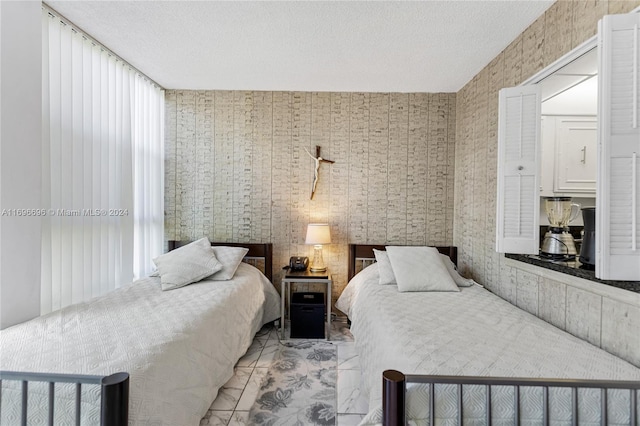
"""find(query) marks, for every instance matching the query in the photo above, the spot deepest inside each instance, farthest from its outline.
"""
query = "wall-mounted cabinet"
(569, 146)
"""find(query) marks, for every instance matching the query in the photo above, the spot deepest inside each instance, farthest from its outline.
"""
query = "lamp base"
(314, 269)
(318, 263)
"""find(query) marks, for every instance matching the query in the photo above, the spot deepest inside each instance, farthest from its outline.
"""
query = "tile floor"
(236, 397)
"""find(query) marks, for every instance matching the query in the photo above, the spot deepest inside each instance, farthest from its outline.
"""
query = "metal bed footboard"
(114, 404)
(394, 388)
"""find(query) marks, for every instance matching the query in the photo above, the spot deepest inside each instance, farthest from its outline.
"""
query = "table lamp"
(318, 234)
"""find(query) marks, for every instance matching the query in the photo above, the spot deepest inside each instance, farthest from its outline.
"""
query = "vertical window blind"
(102, 166)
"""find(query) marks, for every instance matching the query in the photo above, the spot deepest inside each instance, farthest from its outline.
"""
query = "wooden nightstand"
(305, 277)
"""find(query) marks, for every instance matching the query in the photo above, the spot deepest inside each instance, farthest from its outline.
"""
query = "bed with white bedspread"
(471, 332)
(179, 347)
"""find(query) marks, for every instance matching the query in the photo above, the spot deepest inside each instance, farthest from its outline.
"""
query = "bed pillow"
(459, 280)
(187, 264)
(420, 269)
(387, 276)
(384, 267)
(230, 257)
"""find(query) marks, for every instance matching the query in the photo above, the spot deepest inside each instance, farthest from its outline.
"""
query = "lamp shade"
(318, 233)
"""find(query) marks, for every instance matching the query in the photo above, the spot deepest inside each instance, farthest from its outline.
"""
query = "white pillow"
(230, 257)
(419, 269)
(187, 264)
(384, 267)
(387, 276)
(459, 280)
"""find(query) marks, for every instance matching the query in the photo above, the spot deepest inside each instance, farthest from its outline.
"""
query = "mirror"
(569, 132)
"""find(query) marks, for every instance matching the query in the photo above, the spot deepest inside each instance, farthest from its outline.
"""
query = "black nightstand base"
(307, 316)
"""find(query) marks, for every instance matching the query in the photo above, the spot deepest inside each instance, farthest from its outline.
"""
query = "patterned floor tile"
(268, 352)
(348, 357)
(216, 418)
(230, 393)
(239, 418)
(349, 419)
(350, 401)
(251, 390)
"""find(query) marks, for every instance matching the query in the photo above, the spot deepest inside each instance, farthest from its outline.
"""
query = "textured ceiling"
(393, 46)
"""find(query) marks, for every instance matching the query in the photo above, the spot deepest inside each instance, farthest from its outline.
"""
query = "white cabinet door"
(575, 155)
(518, 200)
(618, 193)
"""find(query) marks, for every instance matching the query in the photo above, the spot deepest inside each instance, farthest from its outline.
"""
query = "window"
(102, 168)
(618, 180)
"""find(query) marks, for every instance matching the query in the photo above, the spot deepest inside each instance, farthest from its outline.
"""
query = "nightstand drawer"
(307, 315)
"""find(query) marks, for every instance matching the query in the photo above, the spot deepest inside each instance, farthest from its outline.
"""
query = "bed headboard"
(259, 254)
(364, 253)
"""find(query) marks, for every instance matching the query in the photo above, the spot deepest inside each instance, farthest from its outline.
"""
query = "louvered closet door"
(618, 191)
(518, 201)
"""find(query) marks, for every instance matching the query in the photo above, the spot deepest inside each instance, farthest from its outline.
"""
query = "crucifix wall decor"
(318, 159)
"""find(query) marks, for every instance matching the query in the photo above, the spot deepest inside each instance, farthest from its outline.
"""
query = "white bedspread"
(473, 333)
(178, 346)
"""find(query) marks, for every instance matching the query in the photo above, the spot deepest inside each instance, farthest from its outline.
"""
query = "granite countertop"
(573, 267)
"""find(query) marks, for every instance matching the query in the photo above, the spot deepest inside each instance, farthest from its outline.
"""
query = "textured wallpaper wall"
(607, 320)
(236, 169)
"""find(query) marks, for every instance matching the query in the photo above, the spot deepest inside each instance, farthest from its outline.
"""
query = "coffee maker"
(588, 247)
(558, 243)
